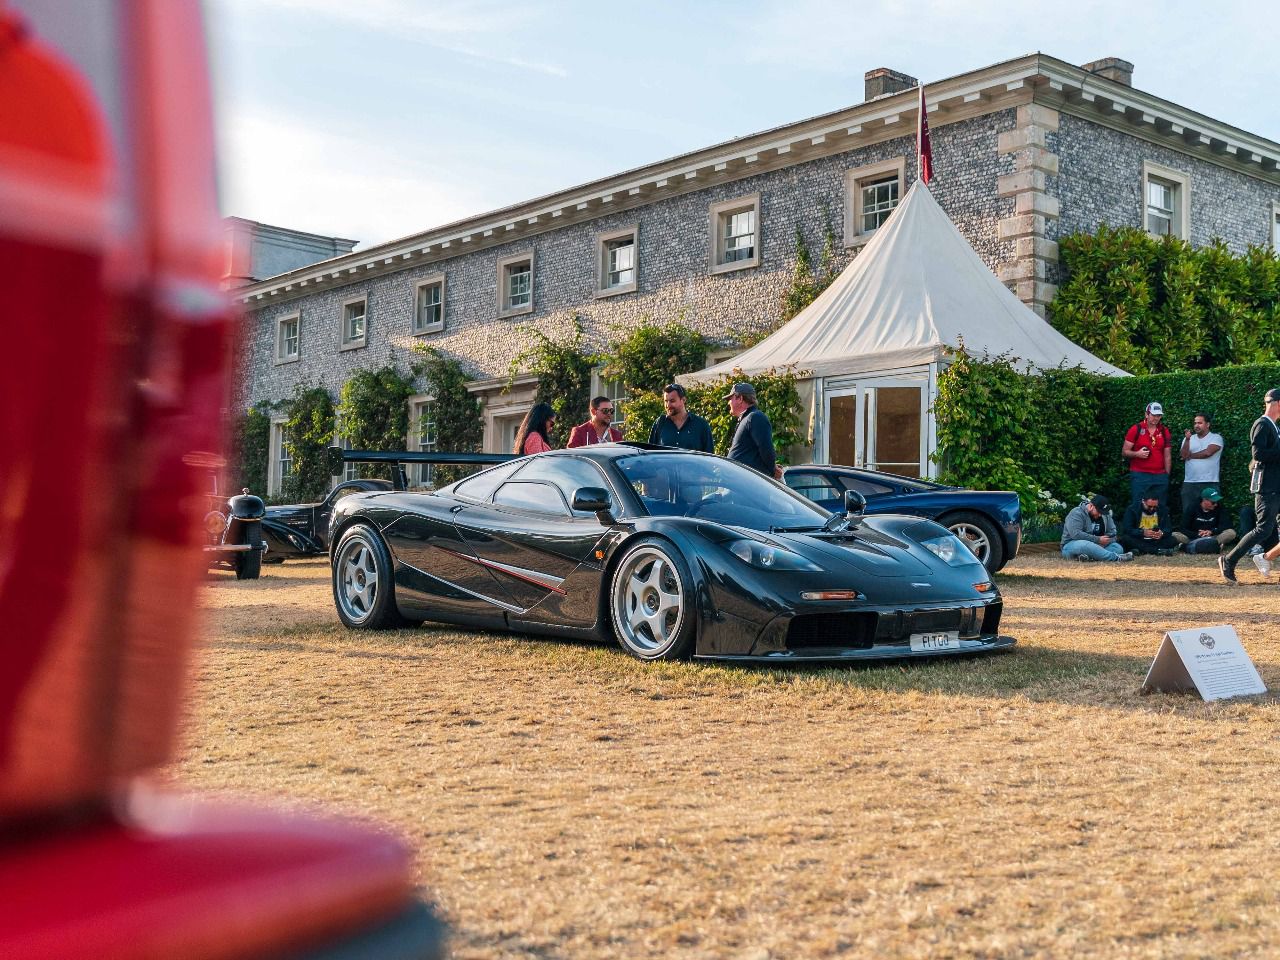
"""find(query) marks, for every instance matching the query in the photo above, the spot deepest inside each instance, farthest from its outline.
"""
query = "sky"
(377, 119)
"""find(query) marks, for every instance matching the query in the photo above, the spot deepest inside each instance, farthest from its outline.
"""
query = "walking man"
(753, 440)
(1264, 483)
(597, 429)
(1148, 448)
(1201, 451)
(678, 427)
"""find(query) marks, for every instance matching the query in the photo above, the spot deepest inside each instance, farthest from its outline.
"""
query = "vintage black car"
(672, 553)
(988, 521)
(232, 525)
(302, 529)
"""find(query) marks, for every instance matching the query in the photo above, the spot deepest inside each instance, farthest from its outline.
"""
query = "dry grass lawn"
(567, 801)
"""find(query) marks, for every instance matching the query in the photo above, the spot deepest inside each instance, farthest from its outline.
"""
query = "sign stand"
(1209, 660)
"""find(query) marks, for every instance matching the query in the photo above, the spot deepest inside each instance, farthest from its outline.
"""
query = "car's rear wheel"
(363, 585)
(651, 602)
(980, 535)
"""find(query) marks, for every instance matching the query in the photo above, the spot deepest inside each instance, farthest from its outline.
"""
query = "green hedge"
(1232, 396)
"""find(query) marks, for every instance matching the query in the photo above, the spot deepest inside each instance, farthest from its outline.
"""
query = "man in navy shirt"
(753, 440)
(678, 427)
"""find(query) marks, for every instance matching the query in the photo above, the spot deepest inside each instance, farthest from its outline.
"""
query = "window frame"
(504, 298)
(420, 474)
(719, 214)
(418, 328)
(855, 179)
(275, 449)
(1181, 183)
(602, 261)
(295, 317)
(353, 343)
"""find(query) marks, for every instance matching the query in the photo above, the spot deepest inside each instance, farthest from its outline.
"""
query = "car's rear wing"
(398, 458)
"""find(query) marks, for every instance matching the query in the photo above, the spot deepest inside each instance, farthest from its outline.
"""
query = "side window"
(813, 486)
(864, 487)
(481, 486)
(531, 495)
(567, 474)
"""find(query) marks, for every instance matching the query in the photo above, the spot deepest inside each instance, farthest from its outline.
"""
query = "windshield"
(695, 485)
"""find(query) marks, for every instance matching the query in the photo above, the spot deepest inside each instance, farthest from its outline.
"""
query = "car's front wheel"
(980, 535)
(651, 602)
(363, 585)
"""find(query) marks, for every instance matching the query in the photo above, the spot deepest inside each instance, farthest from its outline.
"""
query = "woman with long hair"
(534, 435)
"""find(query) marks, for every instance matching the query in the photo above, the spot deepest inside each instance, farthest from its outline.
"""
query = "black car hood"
(867, 550)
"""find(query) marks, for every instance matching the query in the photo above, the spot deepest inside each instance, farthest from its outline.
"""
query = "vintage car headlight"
(949, 548)
(767, 556)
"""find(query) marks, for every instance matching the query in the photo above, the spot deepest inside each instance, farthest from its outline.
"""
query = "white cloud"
(278, 172)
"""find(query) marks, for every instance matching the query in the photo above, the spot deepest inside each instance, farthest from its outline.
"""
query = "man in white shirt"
(1201, 451)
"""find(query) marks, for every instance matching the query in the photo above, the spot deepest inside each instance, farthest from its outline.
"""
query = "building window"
(720, 356)
(871, 193)
(288, 341)
(1165, 201)
(735, 234)
(515, 285)
(355, 326)
(428, 305)
(615, 390)
(281, 464)
(616, 254)
(422, 436)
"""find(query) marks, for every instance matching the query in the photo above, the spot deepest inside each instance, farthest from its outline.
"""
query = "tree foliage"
(563, 368)
(458, 414)
(1156, 304)
(652, 355)
(250, 450)
(308, 435)
(373, 414)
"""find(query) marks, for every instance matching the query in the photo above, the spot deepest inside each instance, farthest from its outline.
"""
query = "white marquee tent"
(873, 341)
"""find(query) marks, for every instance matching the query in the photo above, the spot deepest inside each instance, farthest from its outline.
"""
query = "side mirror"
(854, 505)
(594, 500)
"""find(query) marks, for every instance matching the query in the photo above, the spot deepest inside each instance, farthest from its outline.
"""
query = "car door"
(539, 549)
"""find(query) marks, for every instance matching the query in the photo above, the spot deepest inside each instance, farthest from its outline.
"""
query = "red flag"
(924, 152)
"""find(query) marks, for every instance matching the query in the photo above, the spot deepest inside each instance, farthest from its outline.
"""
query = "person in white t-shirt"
(1201, 451)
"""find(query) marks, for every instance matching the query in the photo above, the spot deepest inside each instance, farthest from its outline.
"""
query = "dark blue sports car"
(988, 521)
(671, 553)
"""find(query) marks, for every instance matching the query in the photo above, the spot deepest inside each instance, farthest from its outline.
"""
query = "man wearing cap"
(753, 440)
(1146, 527)
(1201, 452)
(1264, 483)
(1204, 525)
(1148, 446)
(1089, 533)
(678, 427)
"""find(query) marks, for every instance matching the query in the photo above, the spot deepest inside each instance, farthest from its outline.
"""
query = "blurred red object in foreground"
(111, 240)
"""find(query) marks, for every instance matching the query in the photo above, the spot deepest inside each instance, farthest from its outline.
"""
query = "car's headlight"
(766, 556)
(950, 549)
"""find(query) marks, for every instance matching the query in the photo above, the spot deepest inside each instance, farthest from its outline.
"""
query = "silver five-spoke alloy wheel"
(357, 569)
(649, 602)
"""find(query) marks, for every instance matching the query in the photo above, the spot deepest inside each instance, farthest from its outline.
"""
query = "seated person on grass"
(1204, 525)
(1089, 533)
(1146, 527)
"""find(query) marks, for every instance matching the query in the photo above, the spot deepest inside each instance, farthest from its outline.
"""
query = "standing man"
(1201, 451)
(678, 427)
(1264, 482)
(753, 440)
(597, 429)
(1148, 446)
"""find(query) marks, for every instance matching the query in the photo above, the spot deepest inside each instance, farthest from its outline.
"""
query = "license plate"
(927, 642)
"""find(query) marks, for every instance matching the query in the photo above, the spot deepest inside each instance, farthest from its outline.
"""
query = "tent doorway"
(879, 424)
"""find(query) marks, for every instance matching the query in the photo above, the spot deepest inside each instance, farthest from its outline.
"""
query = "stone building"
(1024, 152)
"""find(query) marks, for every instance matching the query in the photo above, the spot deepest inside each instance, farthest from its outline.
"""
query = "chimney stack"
(882, 81)
(1113, 68)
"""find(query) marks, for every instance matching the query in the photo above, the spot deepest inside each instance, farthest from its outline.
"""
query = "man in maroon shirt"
(597, 429)
(1148, 446)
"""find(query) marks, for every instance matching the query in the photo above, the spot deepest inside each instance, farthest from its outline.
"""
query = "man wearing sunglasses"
(597, 429)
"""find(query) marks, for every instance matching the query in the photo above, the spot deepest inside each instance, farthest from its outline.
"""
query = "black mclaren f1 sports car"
(672, 553)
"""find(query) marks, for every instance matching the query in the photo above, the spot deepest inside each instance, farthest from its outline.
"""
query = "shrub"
(308, 435)
(458, 414)
(250, 450)
(563, 368)
(653, 355)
